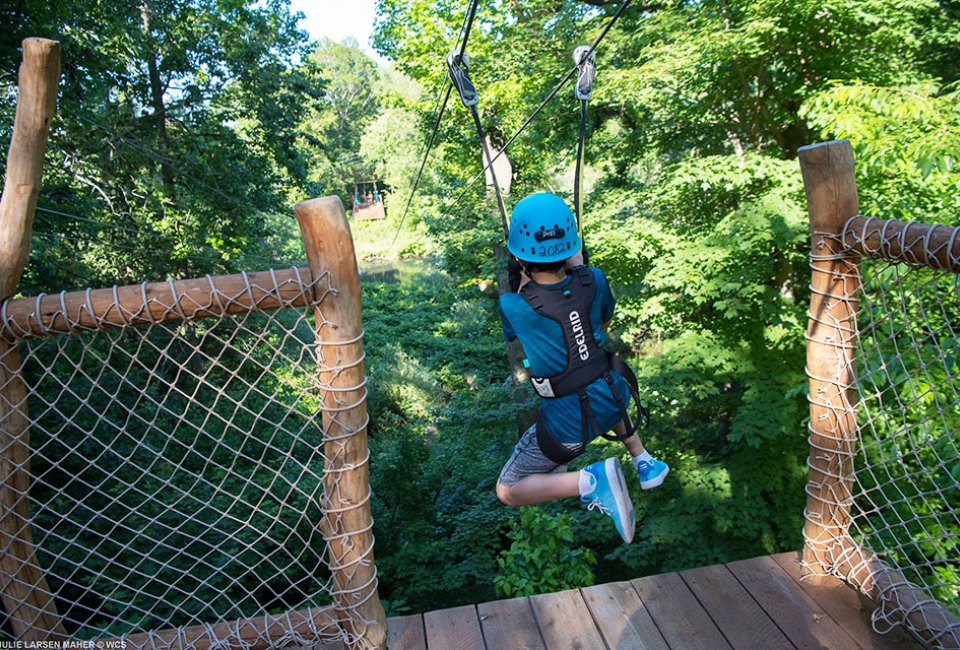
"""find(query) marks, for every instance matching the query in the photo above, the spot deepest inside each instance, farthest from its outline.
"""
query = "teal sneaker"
(652, 472)
(608, 494)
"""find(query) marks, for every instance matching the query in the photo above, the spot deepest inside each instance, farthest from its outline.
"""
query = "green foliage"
(695, 211)
(541, 557)
(162, 133)
(906, 140)
(151, 511)
(333, 127)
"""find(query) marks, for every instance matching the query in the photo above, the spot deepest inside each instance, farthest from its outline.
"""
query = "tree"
(162, 132)
(335, 124)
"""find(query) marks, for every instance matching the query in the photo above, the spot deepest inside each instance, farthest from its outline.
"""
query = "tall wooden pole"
(831, 340)
(347, 524)
(24, 590)
(36, 106)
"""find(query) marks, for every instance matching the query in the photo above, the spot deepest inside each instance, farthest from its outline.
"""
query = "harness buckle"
(586, 71)
(543, 386)
(458, 64)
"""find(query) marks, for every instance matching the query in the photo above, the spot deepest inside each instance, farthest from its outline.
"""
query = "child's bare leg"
(539, 488)
(633, 443)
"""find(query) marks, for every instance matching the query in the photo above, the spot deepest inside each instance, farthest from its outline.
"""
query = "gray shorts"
(528, 459)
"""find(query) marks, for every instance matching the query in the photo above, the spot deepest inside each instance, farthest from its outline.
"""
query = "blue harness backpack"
(586, 362)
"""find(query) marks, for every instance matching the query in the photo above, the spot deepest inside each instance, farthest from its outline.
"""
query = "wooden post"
(36, 106)
(831, 339)
(24, 590)
(347, 520)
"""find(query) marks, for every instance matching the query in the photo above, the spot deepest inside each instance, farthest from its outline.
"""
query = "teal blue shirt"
(543, 344)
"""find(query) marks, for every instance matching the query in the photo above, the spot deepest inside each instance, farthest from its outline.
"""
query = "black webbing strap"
(514, 271)
(560, 453)
(578, 180)
(578, 173)
(618, 366)
(585, 60)
(458, 65)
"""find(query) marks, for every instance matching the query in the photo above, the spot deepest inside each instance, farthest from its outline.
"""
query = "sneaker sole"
(652, 483)
(614, 473)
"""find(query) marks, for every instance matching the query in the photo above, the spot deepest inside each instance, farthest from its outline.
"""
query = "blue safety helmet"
(543, 229)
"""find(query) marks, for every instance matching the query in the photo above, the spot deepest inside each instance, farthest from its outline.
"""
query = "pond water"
(402, 271)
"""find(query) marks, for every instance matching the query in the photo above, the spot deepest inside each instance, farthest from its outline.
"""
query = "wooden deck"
(756, 604)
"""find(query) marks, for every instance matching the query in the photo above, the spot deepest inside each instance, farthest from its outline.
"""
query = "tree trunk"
(156, 97)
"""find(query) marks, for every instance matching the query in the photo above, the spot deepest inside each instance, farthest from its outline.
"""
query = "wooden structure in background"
(367, 202)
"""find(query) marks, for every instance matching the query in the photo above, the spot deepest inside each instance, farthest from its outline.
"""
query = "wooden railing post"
(347, 525)
(831, 339)
(24, 590)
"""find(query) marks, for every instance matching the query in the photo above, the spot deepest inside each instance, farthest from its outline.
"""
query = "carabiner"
(458, 64)
(586, 71)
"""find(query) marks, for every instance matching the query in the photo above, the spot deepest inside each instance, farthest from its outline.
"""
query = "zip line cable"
(466, 37)
(137, 144)
(67, 215)
(139, 232)
(136, 249)
(276, 263)
(543, 104)
(423, 163)
(465, 28)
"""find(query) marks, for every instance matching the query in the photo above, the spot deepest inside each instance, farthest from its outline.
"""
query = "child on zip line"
(560, 314)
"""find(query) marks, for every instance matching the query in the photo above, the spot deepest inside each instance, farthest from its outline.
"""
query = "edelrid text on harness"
(586, 362)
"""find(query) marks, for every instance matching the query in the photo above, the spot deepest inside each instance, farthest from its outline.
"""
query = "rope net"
(177, 470)
(905, 497)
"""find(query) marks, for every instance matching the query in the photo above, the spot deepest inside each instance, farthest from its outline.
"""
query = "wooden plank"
(805, 623)
(622, 617)
(406, 633)
(510, 624)
(456, 628)
(741, 620)
(846, 606)
(683, 622)
(326, 645)
(565, 621)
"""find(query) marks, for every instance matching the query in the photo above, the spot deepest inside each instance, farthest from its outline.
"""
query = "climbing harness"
(586, 362)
